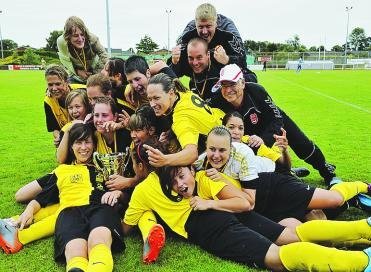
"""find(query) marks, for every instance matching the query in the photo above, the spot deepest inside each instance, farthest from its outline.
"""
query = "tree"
(146, 45)
(250, 45)
(358, 39)
(313, 48)
(51, 41)
(30, 57)
(337, 48)
(9, 44)
(294, 42)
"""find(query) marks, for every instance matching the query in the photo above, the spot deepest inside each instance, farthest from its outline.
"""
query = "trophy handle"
(97, 161)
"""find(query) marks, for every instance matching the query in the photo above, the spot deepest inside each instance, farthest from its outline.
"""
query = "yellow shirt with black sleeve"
(193, 117)
(148, 196)
(273, 153)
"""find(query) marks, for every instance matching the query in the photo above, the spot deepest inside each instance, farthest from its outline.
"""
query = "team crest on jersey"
(254, 118)
(76, 178)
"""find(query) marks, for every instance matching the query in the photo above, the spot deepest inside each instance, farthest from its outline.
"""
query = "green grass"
(332, 107)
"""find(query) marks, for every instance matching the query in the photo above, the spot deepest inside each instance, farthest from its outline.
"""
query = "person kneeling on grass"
(201, 210)
(86, 228)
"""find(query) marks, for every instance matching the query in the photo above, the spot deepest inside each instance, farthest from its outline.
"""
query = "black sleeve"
(50, 193)
(167, 70)
(51, 122)
(272, 114)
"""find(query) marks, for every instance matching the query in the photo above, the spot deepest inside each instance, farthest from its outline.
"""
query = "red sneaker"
(153, 244)
(9, 238)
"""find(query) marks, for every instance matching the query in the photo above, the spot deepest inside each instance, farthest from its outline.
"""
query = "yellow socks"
(77, 262)
(38, 230)
(146, 222)
(350, 189)
(333, 231)
(305, 256)
(100, 259)
(45, 212)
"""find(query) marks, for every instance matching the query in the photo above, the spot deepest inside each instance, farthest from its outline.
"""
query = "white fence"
(311, 65)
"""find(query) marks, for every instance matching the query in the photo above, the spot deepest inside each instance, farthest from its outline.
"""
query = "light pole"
(168, 11)
(1, 39)
(347, 9)
(108, 30)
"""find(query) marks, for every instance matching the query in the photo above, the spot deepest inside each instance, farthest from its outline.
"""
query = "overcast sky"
(316, 22)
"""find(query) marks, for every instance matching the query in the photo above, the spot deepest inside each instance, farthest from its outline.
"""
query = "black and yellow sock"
(333, 231)
(100, 259)
(350, 189)
(304, 256)
(146, 222)
(77, 262)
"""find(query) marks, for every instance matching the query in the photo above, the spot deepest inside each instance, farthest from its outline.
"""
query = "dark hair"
(167, 83)
(136, 63)
(167, 175)
(56, 70)
(117, 66)
(229, 115)
(143, 118)
(221, 131)
(79, 131)
(100, 80)
(140, 153)
(108, 101)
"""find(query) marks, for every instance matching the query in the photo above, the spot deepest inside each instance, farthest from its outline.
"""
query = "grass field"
(332, 107)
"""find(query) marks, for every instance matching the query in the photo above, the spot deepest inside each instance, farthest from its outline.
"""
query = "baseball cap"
(230, 72)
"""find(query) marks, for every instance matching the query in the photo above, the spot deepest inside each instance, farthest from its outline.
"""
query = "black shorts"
(220, 233)
(282, 196)
(78, 222)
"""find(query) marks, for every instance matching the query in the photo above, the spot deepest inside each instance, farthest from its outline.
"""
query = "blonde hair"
(70, 25)
(207, 12)
(78, 93)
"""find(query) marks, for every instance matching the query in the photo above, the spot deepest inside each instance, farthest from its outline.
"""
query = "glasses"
(228, 84)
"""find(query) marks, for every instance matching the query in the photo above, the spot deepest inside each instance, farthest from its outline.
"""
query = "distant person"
(300, 62)
(265, 66)
(80, 51)
(264, 119)
(43, 64)
(224, 42)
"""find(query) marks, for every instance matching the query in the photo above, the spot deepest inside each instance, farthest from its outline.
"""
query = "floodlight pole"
(1, 40)
(168, 11)
(347, 9)
(108, 29)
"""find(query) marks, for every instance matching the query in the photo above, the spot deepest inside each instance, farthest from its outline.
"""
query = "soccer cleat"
(368, 253)
(9, 238)
(153, 244)
(333, 181)
(300, 172)
(364, 202)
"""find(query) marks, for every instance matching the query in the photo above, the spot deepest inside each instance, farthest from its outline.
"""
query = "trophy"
(109, 164)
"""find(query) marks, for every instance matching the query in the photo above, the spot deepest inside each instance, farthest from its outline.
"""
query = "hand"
(156, 157)
(25, 219)
(129, 95)
(111, 198)
(56, 141)
(164, 137)
(88, 118)
(255, 141)
(281, 141)
(199, 204)
(213, 174)
(111, 126)
(220, 55)
(123, 118)
(175, 54)
(83, 74)
(117, 182)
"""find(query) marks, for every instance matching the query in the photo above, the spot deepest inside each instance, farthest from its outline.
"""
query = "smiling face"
(77, 109)
(218, 150)
(206, 29)
(102, 114)
(77, 38)
(141, 135)
(57, 87)
(160, 101)
(233, 91)
(138, 82)
(236, 128)
(184, 182)
(83, 150)
(198, 57)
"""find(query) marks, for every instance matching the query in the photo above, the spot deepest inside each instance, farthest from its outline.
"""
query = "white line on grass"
(327, 96)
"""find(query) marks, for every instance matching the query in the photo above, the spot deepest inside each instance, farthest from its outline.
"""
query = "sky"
(316, 22)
